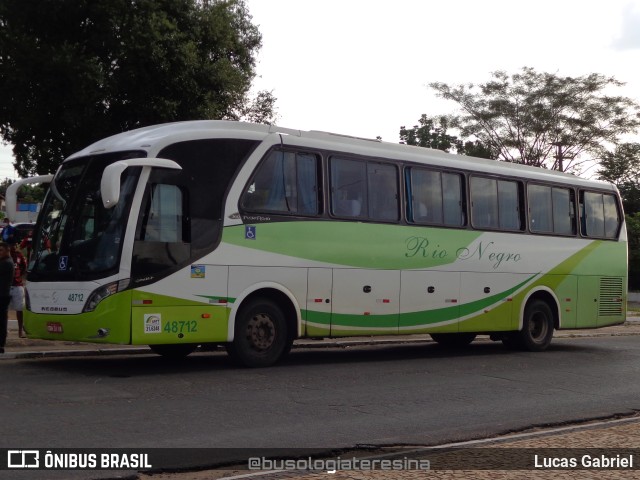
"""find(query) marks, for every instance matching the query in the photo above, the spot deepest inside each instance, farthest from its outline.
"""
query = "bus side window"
(540, 209)
(496, 203)
(348, 188)
(484, 202)
(599, 215)
(164, 219)
(383, 192)
(564, 217)
(427, 196)
(285, 182)
(436, 198)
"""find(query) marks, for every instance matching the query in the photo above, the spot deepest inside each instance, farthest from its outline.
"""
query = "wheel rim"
(261, 332)
(538, 327)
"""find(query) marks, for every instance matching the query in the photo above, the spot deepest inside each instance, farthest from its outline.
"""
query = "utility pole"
(558, 156)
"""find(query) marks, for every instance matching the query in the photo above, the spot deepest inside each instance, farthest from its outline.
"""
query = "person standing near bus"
(6, 277)
(8, 232)
(17, 285)
(27, 244)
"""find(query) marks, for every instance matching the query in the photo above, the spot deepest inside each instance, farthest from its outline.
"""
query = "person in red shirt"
(27, 244)
(17, 286)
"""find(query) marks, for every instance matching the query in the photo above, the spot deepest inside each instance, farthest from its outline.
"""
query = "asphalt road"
(320, 399)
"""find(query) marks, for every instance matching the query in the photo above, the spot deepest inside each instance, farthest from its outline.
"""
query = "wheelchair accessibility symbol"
(250, 232)
(62, 263)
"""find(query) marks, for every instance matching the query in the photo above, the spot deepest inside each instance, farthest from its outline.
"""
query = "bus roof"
(153, 138)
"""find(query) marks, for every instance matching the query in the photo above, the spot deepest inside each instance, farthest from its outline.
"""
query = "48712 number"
(182, 326)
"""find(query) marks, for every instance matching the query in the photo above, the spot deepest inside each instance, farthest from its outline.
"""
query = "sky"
(362, 67)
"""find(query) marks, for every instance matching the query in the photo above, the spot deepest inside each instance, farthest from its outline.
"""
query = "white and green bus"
(215, 232)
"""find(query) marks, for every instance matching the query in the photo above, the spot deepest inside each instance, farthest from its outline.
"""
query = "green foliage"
(75, 71)
(431, 132)
(542, 119)
(633, 235)
(622, 168)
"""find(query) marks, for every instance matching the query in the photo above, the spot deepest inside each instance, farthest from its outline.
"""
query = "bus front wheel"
(261, 336)
(537, 326)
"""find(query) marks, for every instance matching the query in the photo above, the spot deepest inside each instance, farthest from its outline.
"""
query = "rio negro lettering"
(484, 251)
(420, 246)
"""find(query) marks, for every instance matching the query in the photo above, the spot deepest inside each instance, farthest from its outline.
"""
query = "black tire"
(537, 326)
(261, 336)
(453, 340)
(179, 350)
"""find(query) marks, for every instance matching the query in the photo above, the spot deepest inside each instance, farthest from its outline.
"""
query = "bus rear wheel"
(537, 327)
(261, 337)
(174, 351)
(453, 340)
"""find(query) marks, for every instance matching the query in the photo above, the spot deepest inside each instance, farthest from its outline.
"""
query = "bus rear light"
(103, 292)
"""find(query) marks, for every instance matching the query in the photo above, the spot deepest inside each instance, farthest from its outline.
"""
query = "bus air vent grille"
(610, 297)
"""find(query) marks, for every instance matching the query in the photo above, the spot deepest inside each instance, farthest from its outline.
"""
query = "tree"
(633, 234)
(622, 168)
(543, 119)
(432, 133)
(75, 71)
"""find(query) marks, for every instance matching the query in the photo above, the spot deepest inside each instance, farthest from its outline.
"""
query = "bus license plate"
(54, 327)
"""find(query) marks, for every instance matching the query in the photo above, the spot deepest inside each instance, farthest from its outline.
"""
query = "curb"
(74, 353)
(303, 344)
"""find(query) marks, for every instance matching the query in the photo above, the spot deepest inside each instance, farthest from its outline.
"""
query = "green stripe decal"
(428, 317)
(412, 319)
(361, 245)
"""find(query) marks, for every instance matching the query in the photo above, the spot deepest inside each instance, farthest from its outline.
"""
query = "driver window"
(163, 218)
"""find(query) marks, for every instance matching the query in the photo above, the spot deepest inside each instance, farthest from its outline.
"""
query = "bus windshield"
(77, 238)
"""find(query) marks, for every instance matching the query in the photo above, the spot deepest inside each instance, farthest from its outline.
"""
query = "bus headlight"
(103, 292)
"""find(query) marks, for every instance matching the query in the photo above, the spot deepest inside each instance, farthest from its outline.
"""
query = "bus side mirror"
(110, 182)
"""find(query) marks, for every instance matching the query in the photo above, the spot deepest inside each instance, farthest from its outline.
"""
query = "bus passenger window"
(564, 216)
(551, 210)
(540, 209)
(452, 199)
(285, 182)
(436, 198)
(496, 204)
(348, 188)
(509, 205)
(611, 219)
(484, 202)
(427, 196)
(383, 192)
(599, 215)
